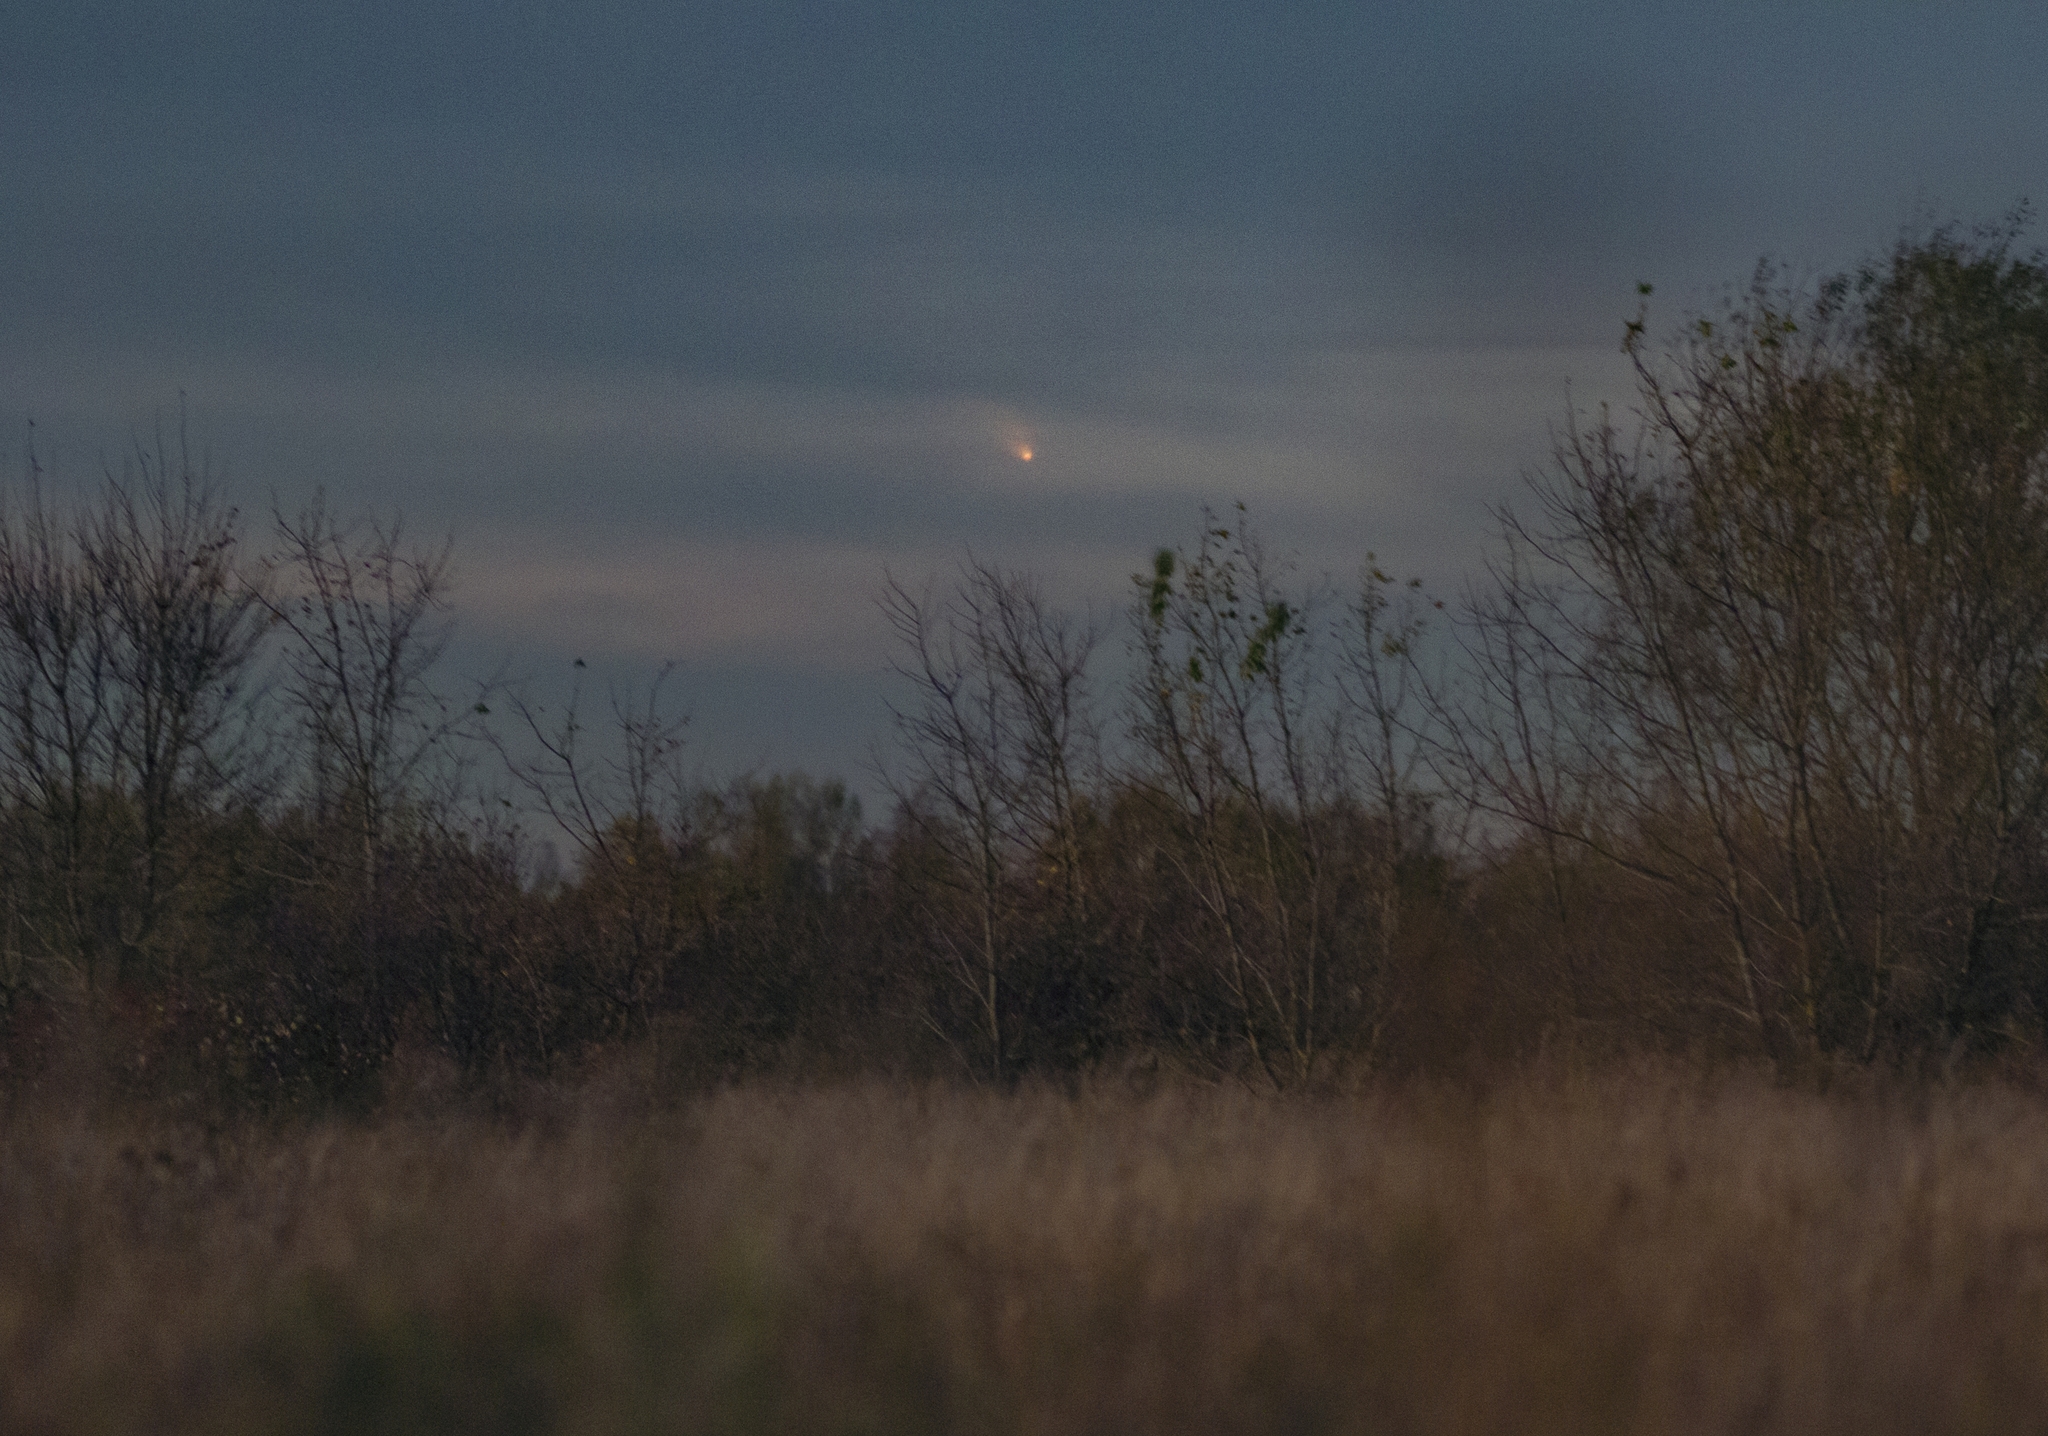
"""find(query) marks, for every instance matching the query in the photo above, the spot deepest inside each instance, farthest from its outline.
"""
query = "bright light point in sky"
(1016, 437)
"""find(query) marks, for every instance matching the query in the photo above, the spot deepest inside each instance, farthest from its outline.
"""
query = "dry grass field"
(1647, 1250)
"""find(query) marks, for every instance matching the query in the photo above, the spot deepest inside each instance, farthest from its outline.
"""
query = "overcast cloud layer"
(688, 320)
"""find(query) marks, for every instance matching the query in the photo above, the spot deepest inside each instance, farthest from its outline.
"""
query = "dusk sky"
(689, 319)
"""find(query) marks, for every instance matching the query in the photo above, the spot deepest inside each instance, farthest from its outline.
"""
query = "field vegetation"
(1650, 1250)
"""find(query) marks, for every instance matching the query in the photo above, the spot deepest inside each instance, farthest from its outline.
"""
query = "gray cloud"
(690, 319)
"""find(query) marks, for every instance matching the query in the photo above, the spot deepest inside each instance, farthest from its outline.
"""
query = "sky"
(691, 321)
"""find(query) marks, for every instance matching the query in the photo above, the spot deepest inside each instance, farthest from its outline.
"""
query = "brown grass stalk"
(1650, 1250)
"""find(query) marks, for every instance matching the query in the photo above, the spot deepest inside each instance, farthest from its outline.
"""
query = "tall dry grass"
(1644, 1251)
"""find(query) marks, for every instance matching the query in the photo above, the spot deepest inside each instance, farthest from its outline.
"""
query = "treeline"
(1739, 748)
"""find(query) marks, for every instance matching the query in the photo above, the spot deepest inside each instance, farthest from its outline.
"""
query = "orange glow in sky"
(1024, 452)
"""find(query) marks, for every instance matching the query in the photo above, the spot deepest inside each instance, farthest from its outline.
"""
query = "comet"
(1015, 437)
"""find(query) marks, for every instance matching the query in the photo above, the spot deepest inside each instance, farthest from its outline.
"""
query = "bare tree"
(1385, 704)
(128, 636)
(361, 613)
(995, 739)
(59, 711)
(185, 625)
(1518, 743)
(626, 812)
